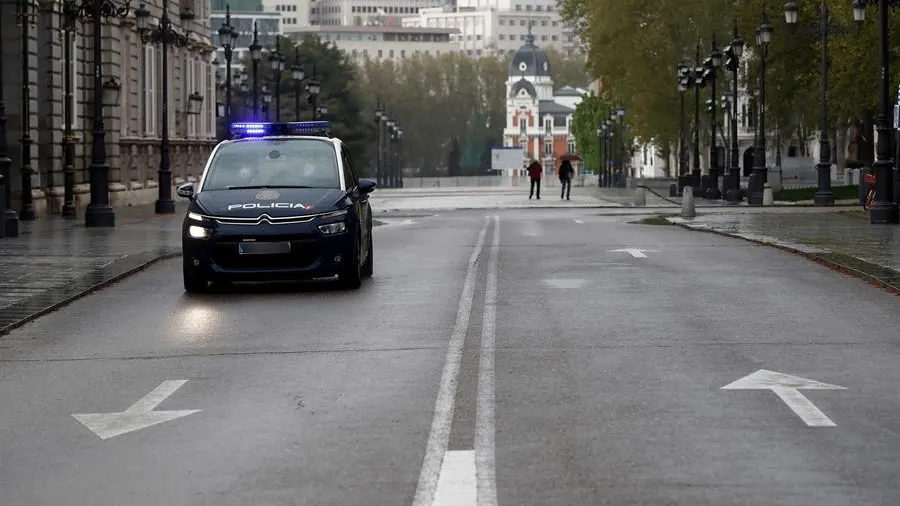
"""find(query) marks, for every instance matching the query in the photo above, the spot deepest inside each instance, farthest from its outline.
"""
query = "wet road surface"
(513, 358)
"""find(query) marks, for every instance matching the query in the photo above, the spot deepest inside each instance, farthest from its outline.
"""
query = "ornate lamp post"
(26, 20)
(884, 210)
(276, 59)
(10, 224)
(684, 177)
(312, 89)
(389, 155)
(715, 61)
(824, 27)
(732, 62)
(267, 101)
(609, 156)
(763, 39)
(255, 56)
(228, 37)
(99, 213)
(376, 118)
(297, 74)
(163, 34)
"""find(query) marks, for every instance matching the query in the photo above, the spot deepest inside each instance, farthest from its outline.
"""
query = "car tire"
(194, 282)
(351, 275)
(368, 268)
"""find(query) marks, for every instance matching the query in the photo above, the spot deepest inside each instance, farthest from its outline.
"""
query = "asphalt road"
(514, 359)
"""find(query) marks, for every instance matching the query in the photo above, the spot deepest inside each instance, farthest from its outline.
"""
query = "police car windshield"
(273, 163)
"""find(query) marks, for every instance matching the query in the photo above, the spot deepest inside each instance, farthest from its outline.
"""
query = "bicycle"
(870, 194)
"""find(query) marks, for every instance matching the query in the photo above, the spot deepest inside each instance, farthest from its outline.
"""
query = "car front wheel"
(351, 274)
(194, 282)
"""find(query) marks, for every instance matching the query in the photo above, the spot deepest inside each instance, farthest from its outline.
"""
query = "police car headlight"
(196, 217)
(199, 232)
(333, 228)
(336, 214)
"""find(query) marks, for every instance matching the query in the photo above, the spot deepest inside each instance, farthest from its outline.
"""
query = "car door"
(361, 200)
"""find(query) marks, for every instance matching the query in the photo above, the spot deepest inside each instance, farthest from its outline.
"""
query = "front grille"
(304, 251)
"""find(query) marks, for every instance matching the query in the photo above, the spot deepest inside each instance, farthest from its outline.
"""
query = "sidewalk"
(54, 261)
(843, 239)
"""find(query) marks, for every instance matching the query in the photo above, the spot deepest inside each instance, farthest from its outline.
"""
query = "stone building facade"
(133, 128)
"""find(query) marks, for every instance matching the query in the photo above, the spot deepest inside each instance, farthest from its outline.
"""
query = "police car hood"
(276, 202)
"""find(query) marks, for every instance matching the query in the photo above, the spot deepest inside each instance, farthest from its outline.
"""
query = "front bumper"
(313, 255)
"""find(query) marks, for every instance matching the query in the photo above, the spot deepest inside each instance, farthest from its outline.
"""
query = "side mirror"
(185, 190)
(367, 186)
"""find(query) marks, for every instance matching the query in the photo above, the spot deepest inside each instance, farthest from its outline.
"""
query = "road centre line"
(439, 435)
(484, 414)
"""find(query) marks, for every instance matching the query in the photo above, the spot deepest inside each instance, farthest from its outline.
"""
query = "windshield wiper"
(261, 187)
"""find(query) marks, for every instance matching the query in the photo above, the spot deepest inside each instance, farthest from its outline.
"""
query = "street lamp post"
(609, 154)
(164, 34)
(276, 59)
(99, 213)
(255, 56)
(68, 143)
(267, 101)
(885, 209)
(763, 39)
(683, 83)
(620, 114)
(313, 88)
(824, 196)
(376, 118)
(398, 181)
(26, 19)
(10, 220)
(600, 155)
(696, 83)
(732, 62)
(228, 36)
(389, 155)
(715, 60)
(297, 74)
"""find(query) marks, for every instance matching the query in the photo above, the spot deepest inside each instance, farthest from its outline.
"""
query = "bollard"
(768, 197)
(687, 203)
(2, 207)
(640, 196)
(673, 190)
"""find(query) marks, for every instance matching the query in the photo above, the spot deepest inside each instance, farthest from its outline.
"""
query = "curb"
(809, 255)
(87, 291)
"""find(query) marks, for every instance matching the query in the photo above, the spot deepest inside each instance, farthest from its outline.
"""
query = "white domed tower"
(535, 122)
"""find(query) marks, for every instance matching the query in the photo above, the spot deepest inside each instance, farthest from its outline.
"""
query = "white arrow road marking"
(139, 416)
(787, 388)
(635, 252)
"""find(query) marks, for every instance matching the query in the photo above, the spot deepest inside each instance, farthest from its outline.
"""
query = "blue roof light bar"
(243, 130)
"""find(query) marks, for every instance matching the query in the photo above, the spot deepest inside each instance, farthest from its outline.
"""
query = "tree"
(439, 101)
(568, 70)
(590, 113)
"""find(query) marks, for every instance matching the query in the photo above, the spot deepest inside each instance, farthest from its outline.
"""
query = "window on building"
(523, 124)
(529, 8)
(209, 129)
(148, 83)
(190, 85)
(548, 147)
(518, 7)
(572, 147)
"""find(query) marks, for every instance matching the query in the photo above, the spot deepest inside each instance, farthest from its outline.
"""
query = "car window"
(349, 170)
(273, 162)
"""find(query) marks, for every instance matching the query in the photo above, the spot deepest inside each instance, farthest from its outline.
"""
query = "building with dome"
(538, 118)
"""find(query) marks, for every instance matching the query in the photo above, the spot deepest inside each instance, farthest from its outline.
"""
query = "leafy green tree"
(590, 113)
(568, 70)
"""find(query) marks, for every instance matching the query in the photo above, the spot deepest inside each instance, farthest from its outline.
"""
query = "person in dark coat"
(566, 171)
(534, 172)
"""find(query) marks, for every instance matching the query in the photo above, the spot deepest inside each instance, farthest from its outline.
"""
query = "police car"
(277, 201)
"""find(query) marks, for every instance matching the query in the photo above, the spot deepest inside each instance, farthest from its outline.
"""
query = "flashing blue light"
(244, 129)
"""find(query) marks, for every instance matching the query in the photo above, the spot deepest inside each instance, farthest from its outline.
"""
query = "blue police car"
(277, 201)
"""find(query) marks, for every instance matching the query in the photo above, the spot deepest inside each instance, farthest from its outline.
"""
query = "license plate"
(264, 248)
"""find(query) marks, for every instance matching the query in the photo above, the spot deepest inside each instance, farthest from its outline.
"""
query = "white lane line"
(456, 486)
(484, 415)
(446, 398)
(579, 221)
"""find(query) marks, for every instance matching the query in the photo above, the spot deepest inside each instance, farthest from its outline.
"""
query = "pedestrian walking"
(566, 171)
(534, 172)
